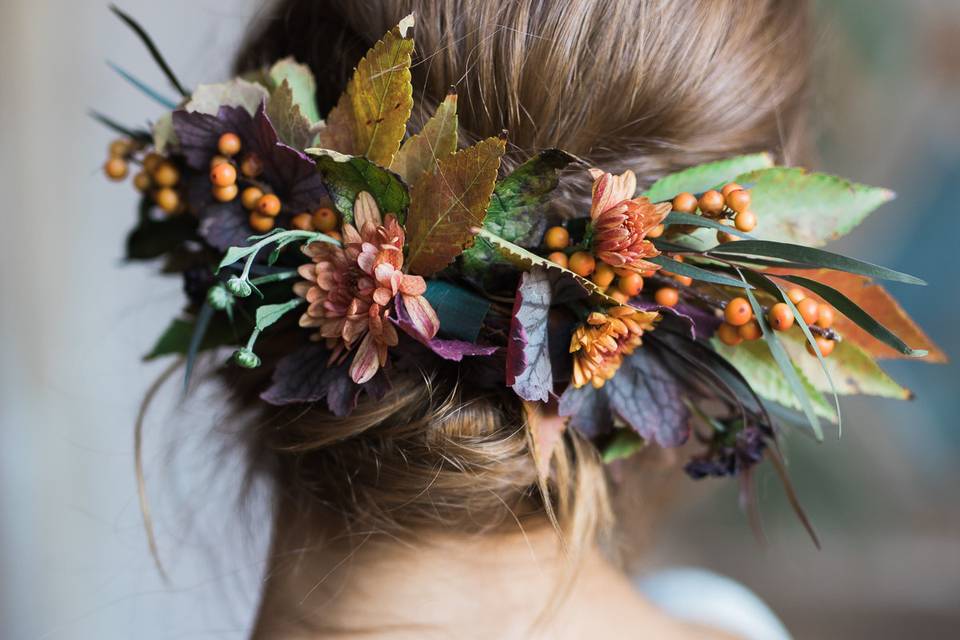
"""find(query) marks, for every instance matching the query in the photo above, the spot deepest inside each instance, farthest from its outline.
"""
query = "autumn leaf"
(528, 355)
(880, 305)
(293, 127)
(370, 118)
(446, 205)
(437, 139)
(301, 84)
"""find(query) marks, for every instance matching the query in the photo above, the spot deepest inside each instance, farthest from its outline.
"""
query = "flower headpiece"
(700, 307)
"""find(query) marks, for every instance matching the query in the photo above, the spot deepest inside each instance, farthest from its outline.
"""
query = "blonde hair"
(650, 85)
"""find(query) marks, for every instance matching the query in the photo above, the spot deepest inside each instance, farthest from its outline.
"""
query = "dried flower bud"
(246, 358)
(239, 287)
(218, 297)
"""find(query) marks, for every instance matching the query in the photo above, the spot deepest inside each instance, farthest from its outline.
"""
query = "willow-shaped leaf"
(698, 273)
(370, 118)
(437, 139)
(808, 208)
(680, 218)
(706, 176)
(446, 205)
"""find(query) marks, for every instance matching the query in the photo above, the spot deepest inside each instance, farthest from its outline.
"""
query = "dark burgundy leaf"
(588, 409)
(528, 353)
(225, 225)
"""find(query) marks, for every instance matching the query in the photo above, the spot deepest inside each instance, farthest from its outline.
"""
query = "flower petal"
(365, 362)
(423, 318)
(365, 210)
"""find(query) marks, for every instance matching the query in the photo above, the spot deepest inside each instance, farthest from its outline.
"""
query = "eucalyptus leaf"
(461, 312)
(706, 176)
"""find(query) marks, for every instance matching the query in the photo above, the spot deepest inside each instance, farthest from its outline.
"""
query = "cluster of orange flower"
(600, 344)
(158, 176)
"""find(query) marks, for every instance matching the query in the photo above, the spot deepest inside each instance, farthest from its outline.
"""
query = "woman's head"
(649, 85)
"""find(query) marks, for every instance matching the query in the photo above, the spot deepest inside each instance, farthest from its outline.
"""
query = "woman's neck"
(506, 585)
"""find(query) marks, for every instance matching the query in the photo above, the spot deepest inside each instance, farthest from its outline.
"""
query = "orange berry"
(631, 284)
(738, 312)
(224, 174)
(302, 221)
(728, 334)
(225, 194)
(260, 223)
(685, 202)
(825, 316)
(582, 263)
(335, 235)
(738, 200)
(809, 309)
(711, 202)
(796, 295)
(167, 199)
(325, 219)
(559, 257)
(229, 144)
(151, 161)
(620, 296)
(603, 275)
(750, 331)
(667, 296)
(141, 181)
(269, 205)
(249, 197)
(826, 346)
(780, 316)
(166, 174)
(251, 165)
(656, 232)
(120, 148)
(730, 186)
(746, 221)
(116, 168)
(218, 159)
(684, 280)
(556, 238)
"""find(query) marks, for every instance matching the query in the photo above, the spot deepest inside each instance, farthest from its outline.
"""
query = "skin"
(489, 585)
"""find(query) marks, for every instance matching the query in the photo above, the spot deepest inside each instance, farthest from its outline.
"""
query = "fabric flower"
(621, 222)
(351, 290)
(599, 345)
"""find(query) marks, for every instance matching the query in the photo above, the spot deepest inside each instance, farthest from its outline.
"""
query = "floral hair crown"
(699, 307)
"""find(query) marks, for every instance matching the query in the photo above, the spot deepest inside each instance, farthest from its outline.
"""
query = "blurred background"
(73, 553)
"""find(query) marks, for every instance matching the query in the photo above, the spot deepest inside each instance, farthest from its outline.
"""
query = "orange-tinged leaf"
(447, 204)
(437, 139)
(877, 302)
(370, 118)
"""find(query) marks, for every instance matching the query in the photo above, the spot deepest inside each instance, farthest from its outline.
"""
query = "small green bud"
(239, 287)
(218, 297)
(246, 358)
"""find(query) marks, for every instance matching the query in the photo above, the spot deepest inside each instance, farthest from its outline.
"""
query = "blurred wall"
(73, 555)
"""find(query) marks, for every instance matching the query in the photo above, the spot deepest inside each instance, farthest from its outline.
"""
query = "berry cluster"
(739, 323)
(731, 205)
(159, 177)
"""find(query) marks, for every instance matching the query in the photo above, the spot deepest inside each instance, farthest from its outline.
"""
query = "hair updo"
(649, 85)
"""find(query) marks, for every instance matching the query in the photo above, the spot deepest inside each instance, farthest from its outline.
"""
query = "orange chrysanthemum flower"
(351, 290)
(599, 345)
(621, 222)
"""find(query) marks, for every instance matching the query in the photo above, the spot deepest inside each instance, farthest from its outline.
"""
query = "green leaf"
(437, 139)
(679, 218)
(208, 98)
(460, 311)
(793, 205)
(852, 310)
(698, 273)
(301, 84)
(706, 176)
(269, 314)
(176, 338)
(235, 254)
(152, 238)
(786, 366)
(370, 118)
(811, 257)
(516, 211)
(625, 443)
(345, 177)
(445, 206)
(755, 362)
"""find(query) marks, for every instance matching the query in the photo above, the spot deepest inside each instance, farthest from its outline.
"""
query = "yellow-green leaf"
(370, 118)
(437, 139)
(447, 204)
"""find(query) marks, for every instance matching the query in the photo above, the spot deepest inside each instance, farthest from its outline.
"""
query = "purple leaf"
(645, 395)
(198, 133)
(699, 323)
(588, 409)
(454, 350)
(528, 354)
(224, 225)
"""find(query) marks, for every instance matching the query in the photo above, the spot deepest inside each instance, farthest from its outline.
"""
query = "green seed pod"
(239, 287)
(246, 358)
(219, 298)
